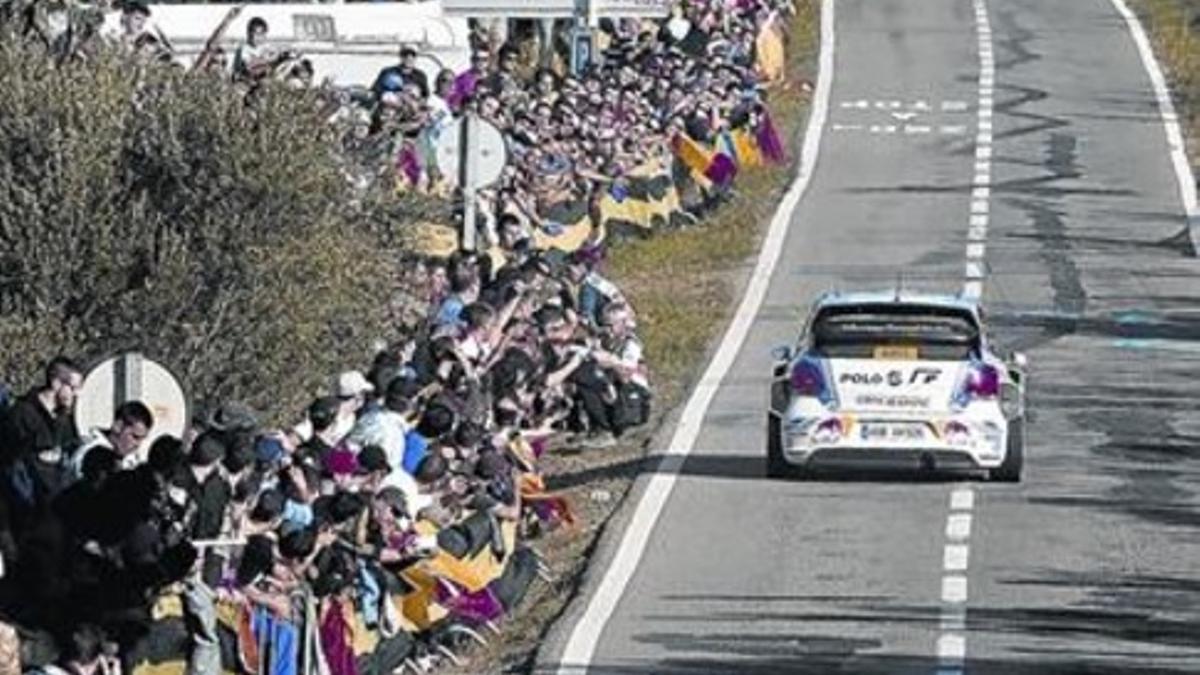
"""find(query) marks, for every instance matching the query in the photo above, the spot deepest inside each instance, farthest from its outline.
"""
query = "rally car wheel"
(1009, 470)
(777, 466)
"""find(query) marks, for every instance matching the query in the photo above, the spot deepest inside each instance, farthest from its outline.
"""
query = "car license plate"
(892, 432)
(896, 353)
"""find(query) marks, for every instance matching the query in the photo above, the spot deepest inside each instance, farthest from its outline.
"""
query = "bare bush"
(142, 207)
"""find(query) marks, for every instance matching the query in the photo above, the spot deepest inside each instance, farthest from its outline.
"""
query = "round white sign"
(491, 153)
(132, 377)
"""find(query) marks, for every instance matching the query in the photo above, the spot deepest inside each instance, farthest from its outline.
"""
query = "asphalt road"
(1092, 564)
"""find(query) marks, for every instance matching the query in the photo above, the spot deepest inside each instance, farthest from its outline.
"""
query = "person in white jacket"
(387, 427)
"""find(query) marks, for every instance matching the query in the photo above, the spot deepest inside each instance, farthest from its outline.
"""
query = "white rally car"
(896, 381)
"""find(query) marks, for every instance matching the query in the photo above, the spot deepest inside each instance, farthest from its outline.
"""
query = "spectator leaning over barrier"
(208, 493)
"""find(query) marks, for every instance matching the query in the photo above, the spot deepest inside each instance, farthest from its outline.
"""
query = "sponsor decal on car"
(896, 401)
(861, 378)
(924, 375)
(894, 378)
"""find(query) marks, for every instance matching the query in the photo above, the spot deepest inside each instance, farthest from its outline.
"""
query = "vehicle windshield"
(895, 331)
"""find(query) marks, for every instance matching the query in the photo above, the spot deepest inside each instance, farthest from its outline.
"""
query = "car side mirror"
(782, 353)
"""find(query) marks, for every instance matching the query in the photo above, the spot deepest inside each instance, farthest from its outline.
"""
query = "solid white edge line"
(1170, 120)
(581, 646)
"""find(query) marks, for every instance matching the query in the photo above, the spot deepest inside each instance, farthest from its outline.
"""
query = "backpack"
(632, 408)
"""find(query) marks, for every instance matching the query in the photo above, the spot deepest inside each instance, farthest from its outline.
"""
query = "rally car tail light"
(808, 379)
(982, 383)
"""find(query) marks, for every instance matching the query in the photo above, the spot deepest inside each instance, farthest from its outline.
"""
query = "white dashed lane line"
(975, 271)
(956, 556)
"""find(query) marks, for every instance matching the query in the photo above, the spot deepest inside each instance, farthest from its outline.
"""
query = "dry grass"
(1174, 26)
(683, 284)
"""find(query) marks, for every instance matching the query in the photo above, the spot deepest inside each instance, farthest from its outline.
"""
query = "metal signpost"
(472, 153)
(468, 178)
(472, 150)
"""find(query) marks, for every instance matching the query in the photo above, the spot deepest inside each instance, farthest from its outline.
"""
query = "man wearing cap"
(209, 493)
(407, 71)
(351, 389)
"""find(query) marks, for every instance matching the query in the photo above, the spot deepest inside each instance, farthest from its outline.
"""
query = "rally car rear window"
(895, 331)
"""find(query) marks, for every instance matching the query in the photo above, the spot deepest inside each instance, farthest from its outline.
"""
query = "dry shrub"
(142, 207)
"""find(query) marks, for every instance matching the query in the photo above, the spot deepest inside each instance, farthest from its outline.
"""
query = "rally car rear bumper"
(888, 459)
(978, 443)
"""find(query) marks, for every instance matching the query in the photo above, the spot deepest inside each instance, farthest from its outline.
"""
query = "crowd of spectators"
(572, 138)
(430, 454)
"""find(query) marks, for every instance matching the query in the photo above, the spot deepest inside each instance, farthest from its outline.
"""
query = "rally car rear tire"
(1009, 470)
(777, 466)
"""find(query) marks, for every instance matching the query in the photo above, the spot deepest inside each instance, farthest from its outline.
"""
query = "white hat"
(352, 383)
